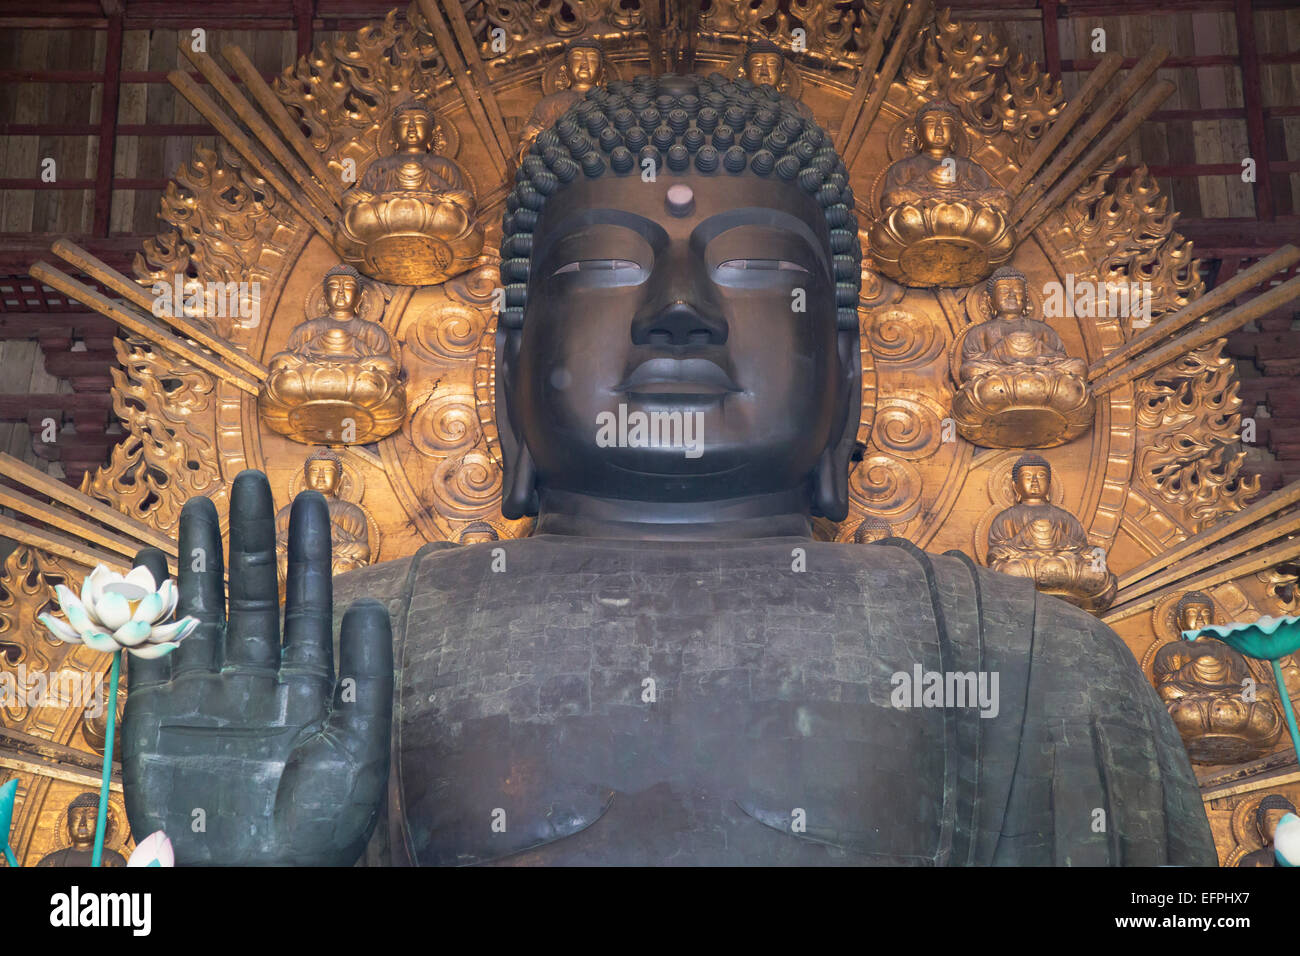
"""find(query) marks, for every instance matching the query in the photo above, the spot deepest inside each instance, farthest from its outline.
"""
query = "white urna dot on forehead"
(680, 199)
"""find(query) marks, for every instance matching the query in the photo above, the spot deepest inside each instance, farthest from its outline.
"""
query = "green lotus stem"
(101, 823)
(9, 855)
(1286, 707)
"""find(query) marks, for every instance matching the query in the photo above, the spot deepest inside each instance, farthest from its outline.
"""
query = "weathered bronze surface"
(1160, 467)
(670, 670)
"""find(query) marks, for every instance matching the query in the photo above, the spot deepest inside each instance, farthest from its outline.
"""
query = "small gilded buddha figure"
(349, 527)
(943, 221)
(1223, 717)
(1037, 540)
(1018, 386)
(412, 219)
(339, 378)
(82, 815)
(584, 66)
(1268, 815)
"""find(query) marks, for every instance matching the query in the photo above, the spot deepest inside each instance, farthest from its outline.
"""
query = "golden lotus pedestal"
(944, 262)
(941, 243)
(414, 239)
(332, 405)
(1081, 586)
(407, 259)
(1023, 408)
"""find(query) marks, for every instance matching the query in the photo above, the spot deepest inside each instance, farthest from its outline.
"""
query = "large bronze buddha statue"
(671, 670)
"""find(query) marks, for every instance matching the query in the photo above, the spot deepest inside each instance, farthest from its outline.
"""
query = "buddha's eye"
(622, 268)
(769, 265)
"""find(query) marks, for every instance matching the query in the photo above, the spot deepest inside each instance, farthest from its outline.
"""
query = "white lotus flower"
(153, 850)
(1286, 840)
(118, 611)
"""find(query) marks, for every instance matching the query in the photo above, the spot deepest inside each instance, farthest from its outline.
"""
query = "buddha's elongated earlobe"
(830, 490)
(519, 483)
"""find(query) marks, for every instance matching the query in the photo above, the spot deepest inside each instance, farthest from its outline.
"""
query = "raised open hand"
(243, 750)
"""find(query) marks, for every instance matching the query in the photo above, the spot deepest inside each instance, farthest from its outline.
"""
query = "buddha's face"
(322, 476)
(1271, 818)
(1032, 482)
(413, 130)
(633, 310)
(81, 825)
(584, 66)
(341, 292)
(1009, 298)
(764, 67)
(1196, 616)
(937, 131)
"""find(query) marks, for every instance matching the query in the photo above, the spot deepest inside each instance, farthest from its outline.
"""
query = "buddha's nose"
(679, 323)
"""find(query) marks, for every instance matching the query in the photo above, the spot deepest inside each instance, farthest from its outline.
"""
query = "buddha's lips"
(664, 374)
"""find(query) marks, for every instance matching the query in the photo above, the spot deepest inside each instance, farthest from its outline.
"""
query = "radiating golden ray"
(252, 154)
(39, 482)
(1248, 564)
(498, 150)
(1226, 550)
(1266, 506)
(911, 25)
(275, 110)
(298, 173)
(71, 252)
(1220, 295)
(1066, 121)
(1198, 335)
(1088, 132)
(879, 36)
(142, 325)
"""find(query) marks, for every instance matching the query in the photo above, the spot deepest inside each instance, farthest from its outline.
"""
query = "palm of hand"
(242, 749)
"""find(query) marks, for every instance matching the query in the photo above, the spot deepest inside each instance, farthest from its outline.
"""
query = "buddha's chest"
(624, 708)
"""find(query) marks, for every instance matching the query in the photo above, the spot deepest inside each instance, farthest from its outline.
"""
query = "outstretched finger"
(309, 591)
(202, 587)
(253, 633)
(140, 672)
(363, 697)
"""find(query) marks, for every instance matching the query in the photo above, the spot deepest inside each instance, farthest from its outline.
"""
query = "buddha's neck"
(783, 514)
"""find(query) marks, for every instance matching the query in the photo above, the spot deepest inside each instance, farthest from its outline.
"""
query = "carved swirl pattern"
(902, 338)
(907, 427)
(445, 424)
(468, 485)
(447, 330)
(886, 487)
